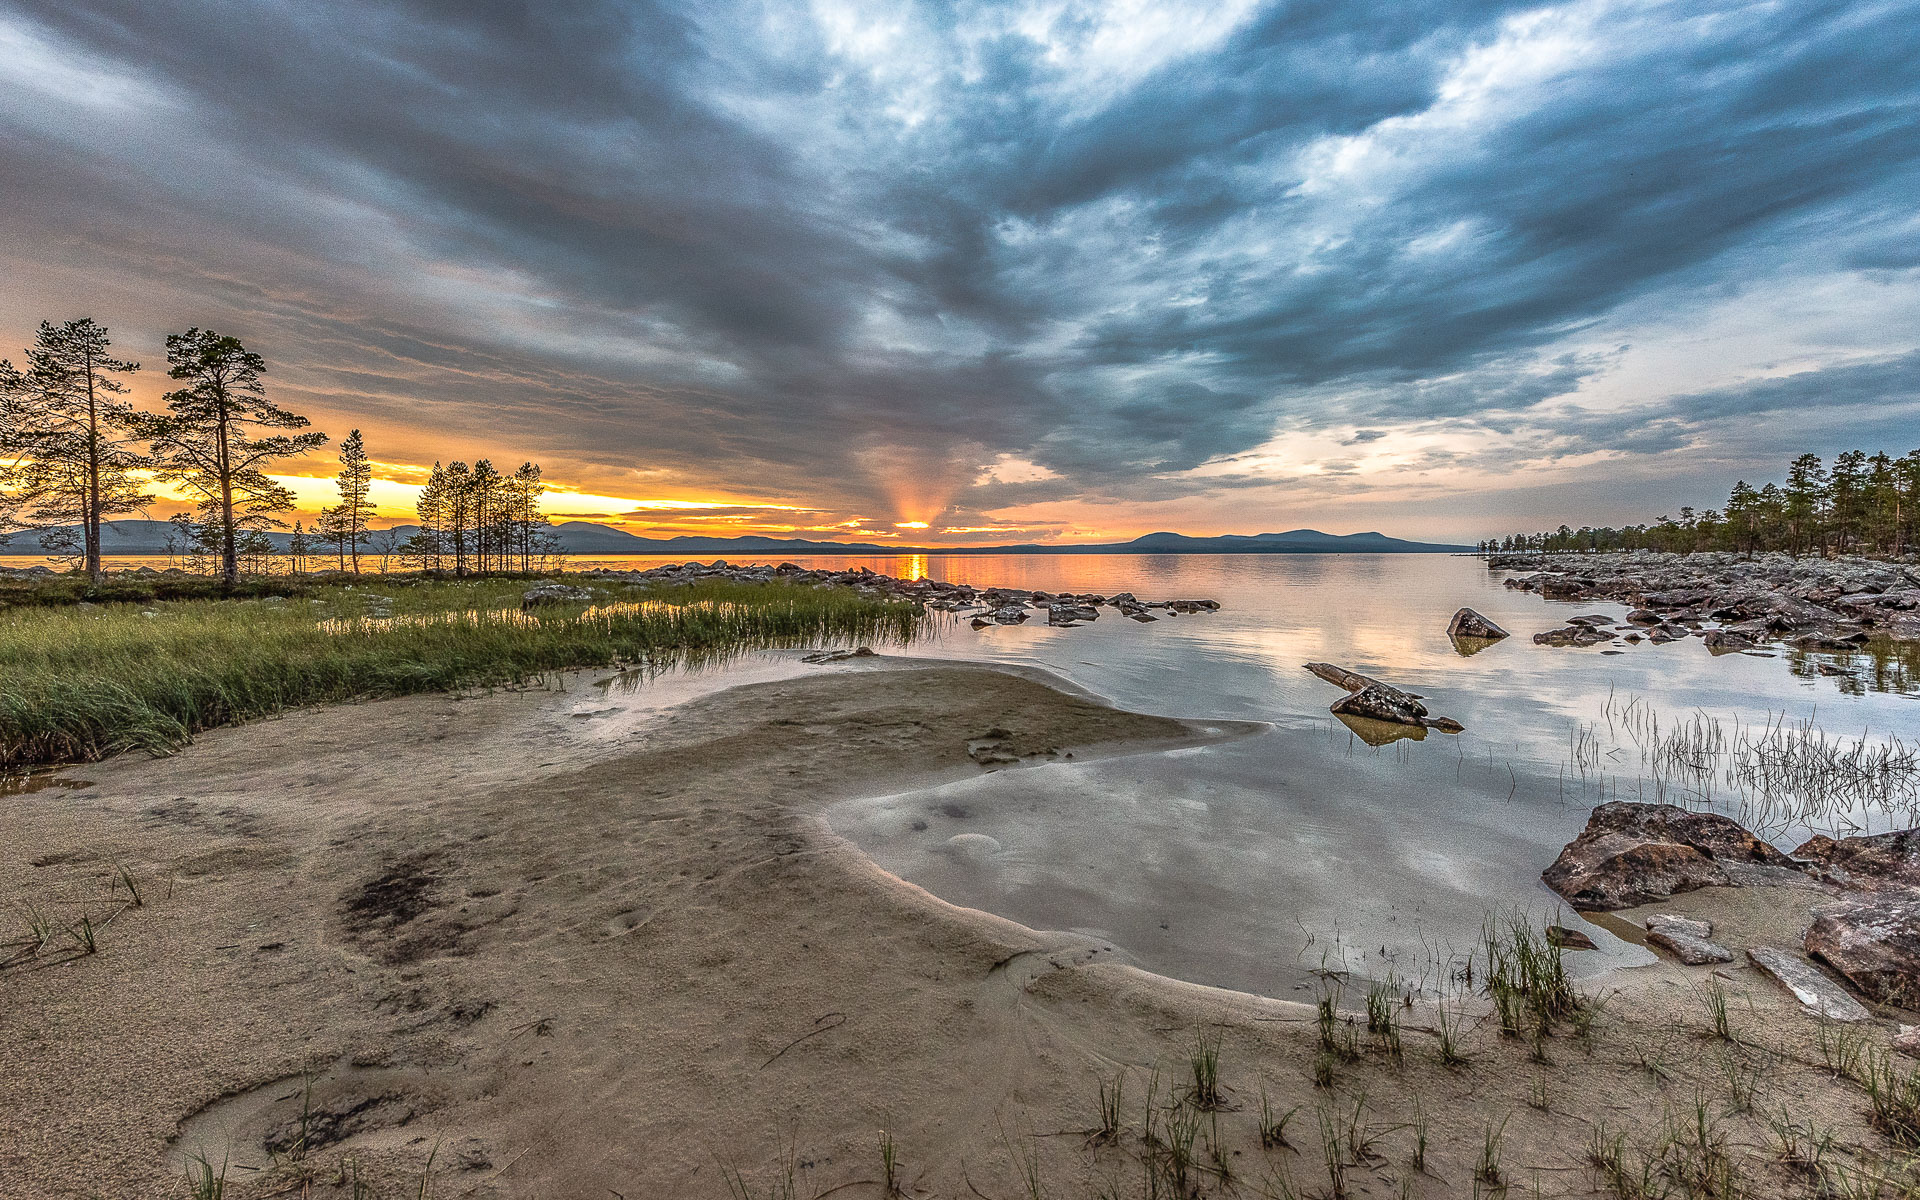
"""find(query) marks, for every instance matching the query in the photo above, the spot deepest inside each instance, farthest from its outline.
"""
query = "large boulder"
(1877, 862)
(1468, 624)
(1875, 944)
(1631, 854)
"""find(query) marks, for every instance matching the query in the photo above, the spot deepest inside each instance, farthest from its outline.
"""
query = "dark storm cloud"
(768, 249)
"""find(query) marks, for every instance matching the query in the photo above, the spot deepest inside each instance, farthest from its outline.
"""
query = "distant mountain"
(120, 538)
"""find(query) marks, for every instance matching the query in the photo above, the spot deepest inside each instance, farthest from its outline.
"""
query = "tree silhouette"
(65, 448)
(206, 438)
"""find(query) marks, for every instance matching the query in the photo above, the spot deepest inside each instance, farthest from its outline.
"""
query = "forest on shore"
(1861, 505)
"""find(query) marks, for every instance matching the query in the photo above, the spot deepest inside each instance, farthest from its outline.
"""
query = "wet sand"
(564, 962)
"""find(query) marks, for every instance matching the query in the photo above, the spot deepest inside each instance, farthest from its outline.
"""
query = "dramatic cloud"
(1047, 267)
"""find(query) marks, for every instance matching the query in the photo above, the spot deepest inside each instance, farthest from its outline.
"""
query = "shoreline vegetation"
(87, 680)
(145, 662)
(1862, 505)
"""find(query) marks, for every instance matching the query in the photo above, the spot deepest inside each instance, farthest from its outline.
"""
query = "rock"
(991, 752)
(1572, 635)
(1568, 939)
(1011, 614)
(1907, 1041)
(1067, 614)
(1614, 870)
(1369, 699)
(1875, 944)
(1469, 624)
(1693, 951)
(1726, 641)
(1378, 702)
(1873, 863)
(554, 593)
(1685, 926)
(1631, 854)
(1820, 995)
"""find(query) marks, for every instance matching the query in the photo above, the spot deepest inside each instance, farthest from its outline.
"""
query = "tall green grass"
(81, 684)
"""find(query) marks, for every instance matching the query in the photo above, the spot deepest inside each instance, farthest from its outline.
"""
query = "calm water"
(1251, 863)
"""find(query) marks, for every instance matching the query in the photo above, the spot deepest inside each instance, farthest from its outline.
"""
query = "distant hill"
(119, 538)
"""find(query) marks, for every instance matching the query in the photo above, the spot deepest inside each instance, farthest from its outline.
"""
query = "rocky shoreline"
(1866, 927)
(991, 606)
(1730, 602)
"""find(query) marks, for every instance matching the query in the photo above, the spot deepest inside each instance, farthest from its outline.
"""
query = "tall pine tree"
(65, 434)
(208, 439)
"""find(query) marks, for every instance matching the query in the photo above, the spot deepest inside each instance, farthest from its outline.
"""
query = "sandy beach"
(455, 943)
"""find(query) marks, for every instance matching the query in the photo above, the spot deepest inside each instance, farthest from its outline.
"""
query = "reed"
(82, 684)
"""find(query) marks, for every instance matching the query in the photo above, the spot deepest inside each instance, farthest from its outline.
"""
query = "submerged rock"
(1568, 939)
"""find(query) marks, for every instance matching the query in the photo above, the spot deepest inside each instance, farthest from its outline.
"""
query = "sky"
(971, 272)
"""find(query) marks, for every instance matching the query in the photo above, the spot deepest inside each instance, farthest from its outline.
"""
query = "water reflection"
(1381, 733)
(1245, 864)
(38, 781)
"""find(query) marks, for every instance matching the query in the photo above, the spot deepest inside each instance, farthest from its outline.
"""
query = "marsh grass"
(84, 684)
(889, 1164)
(1486, 1168)
(1273, 1124)
(1714, 995)
(1206, 1093)
(203, 1181)
(124, 877)
(1333, 1153)
(41, 930)
(1894, 1096)
(783, 1185)
(1111, 1094)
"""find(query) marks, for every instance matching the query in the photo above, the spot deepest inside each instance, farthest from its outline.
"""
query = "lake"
(1253, 863)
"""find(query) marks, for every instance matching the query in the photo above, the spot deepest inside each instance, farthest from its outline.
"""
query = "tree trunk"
(229, 552)
(90, 518)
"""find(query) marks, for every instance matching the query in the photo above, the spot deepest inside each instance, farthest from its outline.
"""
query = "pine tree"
(298, 547)
(354, 509)
(64, 434)
(206, 440)
(1806, 502)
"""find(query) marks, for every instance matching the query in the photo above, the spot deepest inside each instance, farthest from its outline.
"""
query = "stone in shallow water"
(1693, 951)
(1672, 923)
(1820, 995)
(1471, 625)
(1568, 939)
